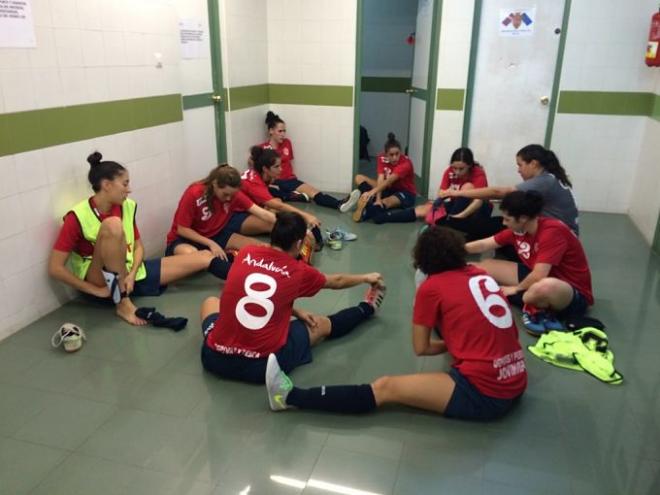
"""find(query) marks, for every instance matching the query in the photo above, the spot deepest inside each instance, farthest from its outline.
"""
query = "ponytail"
(272, 120)
(547, 159)
(221, 176)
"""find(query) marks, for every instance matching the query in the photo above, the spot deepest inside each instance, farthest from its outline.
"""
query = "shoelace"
(59, 336)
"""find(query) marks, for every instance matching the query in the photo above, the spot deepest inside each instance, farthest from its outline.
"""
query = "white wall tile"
(18, 90)
(68, 44)
(64, 14)
(45, 54)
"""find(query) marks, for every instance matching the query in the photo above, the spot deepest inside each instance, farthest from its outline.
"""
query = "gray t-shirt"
(559, 200)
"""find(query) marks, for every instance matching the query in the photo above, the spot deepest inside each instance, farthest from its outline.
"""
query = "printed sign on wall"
(16, 24)
(517, 22)
(193, 39)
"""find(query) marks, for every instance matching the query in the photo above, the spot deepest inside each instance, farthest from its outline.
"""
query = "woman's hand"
(447, 193)
(312, 221)
(102, 292)
(307, 318)
(509, 290)
(128, 283)
(374, 278)
(217, 251)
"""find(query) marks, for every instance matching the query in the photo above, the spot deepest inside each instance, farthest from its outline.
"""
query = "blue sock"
(346, 320)
(220, 268)
(326, 200)
(335, 398)
(396, 215)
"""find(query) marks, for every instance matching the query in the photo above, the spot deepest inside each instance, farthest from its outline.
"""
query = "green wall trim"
(36, 129)
(655, 112)
(472, 68)
(552, 110)
(305, 94)
(450, 99)
(358, 88)
(607, 103)
(216, 75)
(248, 96)
(197, 101)
(386, 84)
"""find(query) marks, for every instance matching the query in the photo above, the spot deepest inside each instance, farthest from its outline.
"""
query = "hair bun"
(271, 117)
(95, 158)
(391, 136)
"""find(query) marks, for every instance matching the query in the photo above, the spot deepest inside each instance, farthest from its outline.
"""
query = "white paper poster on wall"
(16, 24)
(517, 22)
(193, 40)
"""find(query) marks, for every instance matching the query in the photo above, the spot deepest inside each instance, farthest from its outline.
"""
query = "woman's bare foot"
(126, 311)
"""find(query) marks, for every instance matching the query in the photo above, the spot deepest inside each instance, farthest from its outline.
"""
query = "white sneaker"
(350, 202)
(278, 385)
(71, 335)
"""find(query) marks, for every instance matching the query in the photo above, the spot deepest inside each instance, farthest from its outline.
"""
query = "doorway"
(396, 63)
(512, 101)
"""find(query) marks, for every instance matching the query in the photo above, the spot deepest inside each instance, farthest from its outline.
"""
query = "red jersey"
(556, 244)
(253, 186)
(476, 176)
(71, 236)
(477, 326)
(194, 213)
(257, 301)
(285, 150)
(403, 169)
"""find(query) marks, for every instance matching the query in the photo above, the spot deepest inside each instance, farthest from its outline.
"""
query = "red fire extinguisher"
(652, 48)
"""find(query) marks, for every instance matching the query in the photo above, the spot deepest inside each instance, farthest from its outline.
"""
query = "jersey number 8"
(257, 297)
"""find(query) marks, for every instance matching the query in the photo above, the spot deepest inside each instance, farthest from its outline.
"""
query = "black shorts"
(295, 352)
(287, 186)
(147, 287)
(577, 307)
(232, 227)
(467, 402)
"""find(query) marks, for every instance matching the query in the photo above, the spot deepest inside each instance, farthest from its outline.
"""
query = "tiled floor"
(134, 413)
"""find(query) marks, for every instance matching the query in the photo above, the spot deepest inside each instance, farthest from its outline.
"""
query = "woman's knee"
(188, 249)
(209, 305)
(112, 227)
(382, 388)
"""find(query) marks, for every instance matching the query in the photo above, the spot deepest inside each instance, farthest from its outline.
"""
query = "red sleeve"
(380, 165)
(136, 231)
(426, 307)
(185, 212)
(479, 177)
(552, 246)
(504, 237)
(256, 192)
(241, 202)
(444, 183)
(311, 281)
(70, 234)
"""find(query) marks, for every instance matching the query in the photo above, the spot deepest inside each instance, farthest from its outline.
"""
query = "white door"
(514, 76)
(420, 95)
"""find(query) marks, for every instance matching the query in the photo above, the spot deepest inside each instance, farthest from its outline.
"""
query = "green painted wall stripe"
(304, 94)
(552, 110)
(607, 103)
(248, 96)
(655, 112)
(197, 101)
(359, 14)
(386, 84)
(36, 129)
(472, 69)
(450, 99)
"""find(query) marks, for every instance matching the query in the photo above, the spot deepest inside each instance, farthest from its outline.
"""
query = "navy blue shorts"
(287, 186)
(296, 351)
(577, 307)
(468, 403)
(406, 198)
(147, 287)
(232, 227)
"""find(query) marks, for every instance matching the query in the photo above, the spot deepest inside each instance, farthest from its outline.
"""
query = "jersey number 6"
(492, 300)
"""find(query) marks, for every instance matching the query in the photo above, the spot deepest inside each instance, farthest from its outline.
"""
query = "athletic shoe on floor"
(345, 234)
(550, 322)
(350, 202)
(358, 214)
(278, 385)
(70, 335)
(335, 240)
(375, 295)
(533, 324)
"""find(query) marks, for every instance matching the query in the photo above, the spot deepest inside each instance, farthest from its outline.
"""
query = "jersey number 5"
(492, 300)
(257, 297)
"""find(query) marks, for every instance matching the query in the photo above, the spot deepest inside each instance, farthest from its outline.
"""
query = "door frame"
(216, 74)
(429, 95)
(472, 67)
